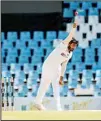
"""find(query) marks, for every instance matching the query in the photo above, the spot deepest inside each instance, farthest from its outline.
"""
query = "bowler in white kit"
(54, 68)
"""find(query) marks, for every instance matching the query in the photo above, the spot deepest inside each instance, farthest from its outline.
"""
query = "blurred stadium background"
(31, 30)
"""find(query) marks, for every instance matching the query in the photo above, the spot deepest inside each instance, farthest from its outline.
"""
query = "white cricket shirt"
(58, 56)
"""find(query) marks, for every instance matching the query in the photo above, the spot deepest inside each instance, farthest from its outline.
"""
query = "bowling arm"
(71, 34)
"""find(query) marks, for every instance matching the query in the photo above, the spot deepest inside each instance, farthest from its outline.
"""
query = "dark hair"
(74, 41)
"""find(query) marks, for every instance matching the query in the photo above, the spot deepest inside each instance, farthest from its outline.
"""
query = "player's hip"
(50, 71)
(51, 66)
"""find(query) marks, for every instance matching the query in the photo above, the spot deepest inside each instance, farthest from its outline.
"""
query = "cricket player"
(54, 68)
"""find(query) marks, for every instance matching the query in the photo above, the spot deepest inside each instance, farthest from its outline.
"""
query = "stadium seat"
(89, 51)
(70, 92)
(94, 66)
(2, 36)
(38, 35)
(7, 44)
(84, 28)
(14, 67)
(4, 67)
(10, 59)
(3, 60)
(67, 13)
(16, 88)
(93, 12)
(36, 59)
(27, 68)
(99, 65)
(90, 36)
(35, 89)
(49, 50)
(89, 59)
(73, 73)
(46, 44)
(21, 92)
(31, 74)
(64, 90)
(78, 51)
(86, 5)
(98, 78)
(99, 5)
(25, 89)
(29, 94)
(33, 44)
(74, 5)
(39, 70)
(20, 76)
(12, 53)
(98, 73)
(25, 36)
(95, 43)
(87, 78)
(23, 59)
(81, 12)
(80, 66)
(76, 58)
(61, 91)
(20, 44)
(39, 52)
(62, 35)
(3, 53)
(99, 59)
(35, 77)
(30, 81)
(99, 50)
(93, 20)
(25, 52)
(98, 26)
(6, 74)
(12, 36)
(73, 78)
(69, 67)
(51, 35)
(49, 91)
(16, 82)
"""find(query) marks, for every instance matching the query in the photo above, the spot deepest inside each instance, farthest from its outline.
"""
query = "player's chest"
(65, 54)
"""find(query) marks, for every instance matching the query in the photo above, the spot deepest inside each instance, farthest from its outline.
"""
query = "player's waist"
(50, 65)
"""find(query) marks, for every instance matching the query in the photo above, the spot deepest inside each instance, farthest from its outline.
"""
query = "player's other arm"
(63, 69)
(71, 34)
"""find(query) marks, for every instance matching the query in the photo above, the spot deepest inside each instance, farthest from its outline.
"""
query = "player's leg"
(56, 91)
(44, 84)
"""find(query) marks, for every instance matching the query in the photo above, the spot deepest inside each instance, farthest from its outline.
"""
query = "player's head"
(72, 44)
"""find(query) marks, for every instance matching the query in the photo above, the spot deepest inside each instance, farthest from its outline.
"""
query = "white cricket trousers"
(49, 76)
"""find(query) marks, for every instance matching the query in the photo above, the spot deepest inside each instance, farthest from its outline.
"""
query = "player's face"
(72, 46)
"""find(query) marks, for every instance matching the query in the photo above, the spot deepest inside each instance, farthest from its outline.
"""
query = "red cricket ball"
(76, 13)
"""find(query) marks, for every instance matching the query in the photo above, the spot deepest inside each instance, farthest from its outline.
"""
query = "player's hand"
(61, 81)
(75, 24)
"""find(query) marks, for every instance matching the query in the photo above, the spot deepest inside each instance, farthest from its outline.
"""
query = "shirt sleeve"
(63, 68)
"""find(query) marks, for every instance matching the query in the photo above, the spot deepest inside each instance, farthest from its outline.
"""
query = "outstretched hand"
(75, 24)
(61, 81)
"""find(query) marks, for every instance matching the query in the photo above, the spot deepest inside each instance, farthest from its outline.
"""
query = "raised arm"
(71, 34)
